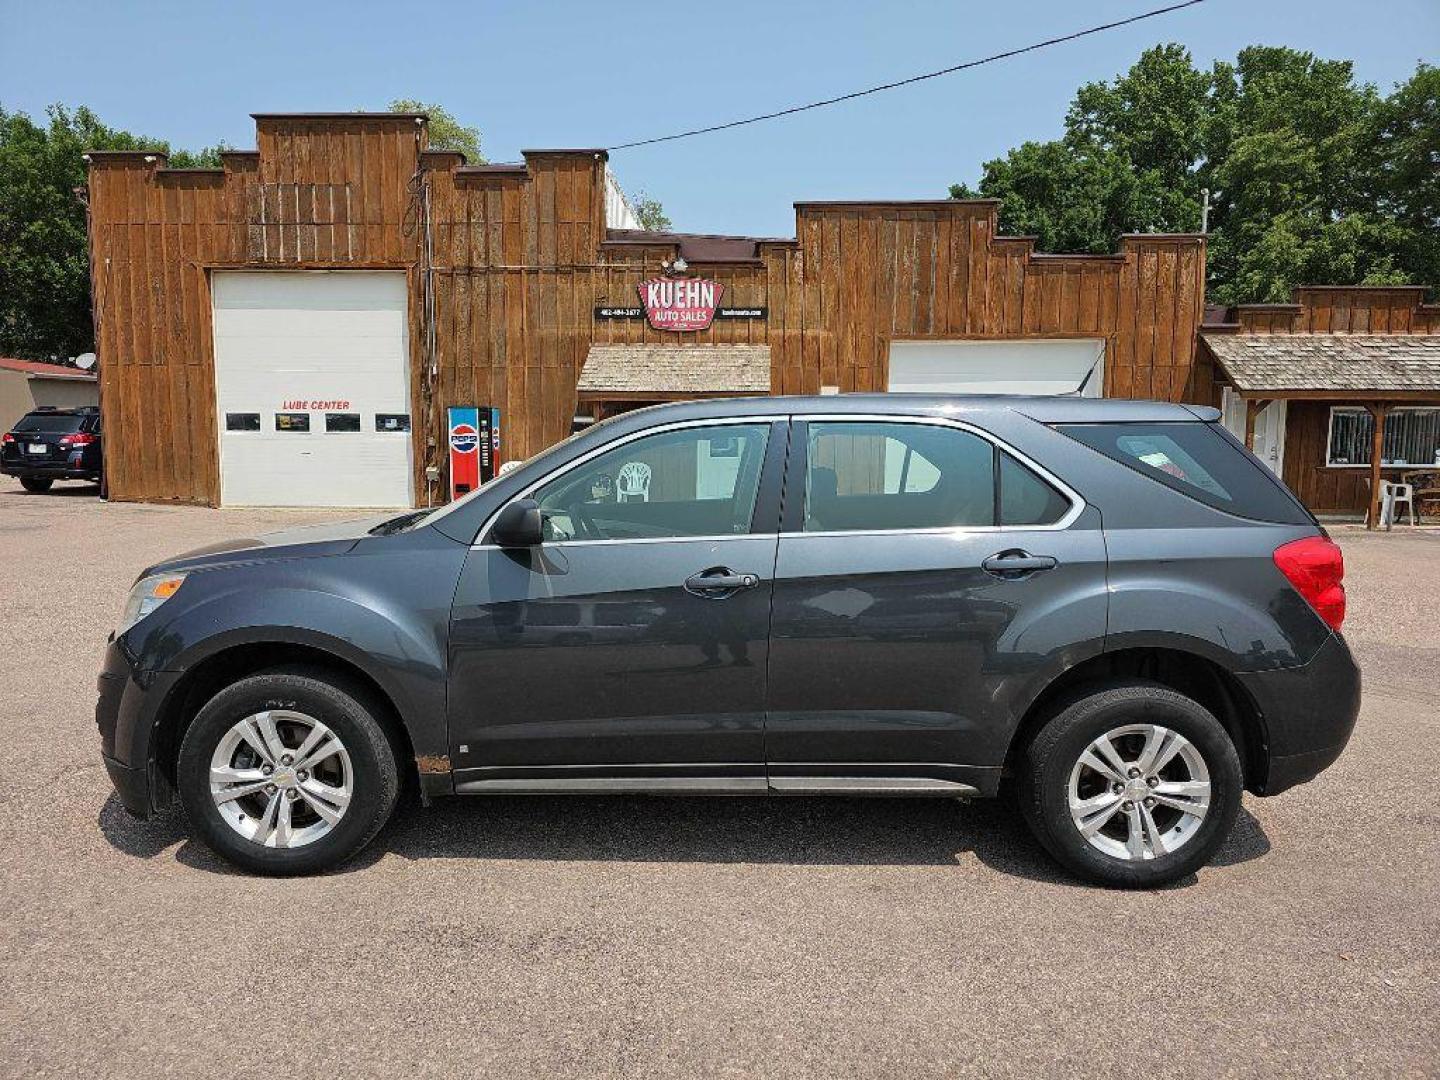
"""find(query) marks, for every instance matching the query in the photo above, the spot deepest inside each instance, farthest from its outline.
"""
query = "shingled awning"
(666, 372)
(1329, 366)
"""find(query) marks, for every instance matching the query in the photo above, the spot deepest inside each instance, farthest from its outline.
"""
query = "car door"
(629, 650)
(926, 580)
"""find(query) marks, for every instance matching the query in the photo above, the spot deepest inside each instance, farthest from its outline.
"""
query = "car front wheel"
(287, 772)
(1133, 785)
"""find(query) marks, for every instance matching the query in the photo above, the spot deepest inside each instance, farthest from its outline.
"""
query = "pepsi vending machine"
(474, 447)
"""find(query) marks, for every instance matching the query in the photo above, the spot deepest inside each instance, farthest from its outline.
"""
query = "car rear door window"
(697, 481)
(1025, 498)
(873, 475)
(1196, 460)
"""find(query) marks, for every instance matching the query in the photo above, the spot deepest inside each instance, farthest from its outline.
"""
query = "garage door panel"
(365, 291)
(1021, 366)
(312, 343)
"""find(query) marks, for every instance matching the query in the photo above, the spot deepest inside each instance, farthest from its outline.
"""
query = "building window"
(242, 421)
(392, 421)
(292, 421)
(342, 421)
(1412, 437)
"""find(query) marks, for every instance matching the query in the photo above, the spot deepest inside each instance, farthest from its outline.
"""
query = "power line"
(912, 79)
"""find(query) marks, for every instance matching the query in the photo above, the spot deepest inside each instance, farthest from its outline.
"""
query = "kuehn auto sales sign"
(680, 303)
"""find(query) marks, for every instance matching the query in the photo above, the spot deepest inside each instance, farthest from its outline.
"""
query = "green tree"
(44, 264)
(207, 157)
(649, 212)
(1127, 162)
(1405, 137)
(446, 133)
(1312, 177)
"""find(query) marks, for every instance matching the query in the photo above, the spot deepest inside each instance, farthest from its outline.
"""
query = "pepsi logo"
(464, 439)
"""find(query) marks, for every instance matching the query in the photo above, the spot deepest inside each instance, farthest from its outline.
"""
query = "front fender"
(384, 609)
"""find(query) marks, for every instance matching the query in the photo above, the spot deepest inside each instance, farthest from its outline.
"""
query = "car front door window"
(699, 481)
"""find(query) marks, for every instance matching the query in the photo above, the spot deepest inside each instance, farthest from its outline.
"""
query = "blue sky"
(594, 74)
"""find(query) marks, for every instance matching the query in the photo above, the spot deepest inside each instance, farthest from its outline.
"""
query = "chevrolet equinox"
(1110, 604)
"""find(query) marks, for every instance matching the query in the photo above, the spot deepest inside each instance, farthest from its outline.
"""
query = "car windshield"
(39, 421)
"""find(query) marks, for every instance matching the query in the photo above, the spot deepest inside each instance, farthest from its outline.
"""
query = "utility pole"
(1205, 211)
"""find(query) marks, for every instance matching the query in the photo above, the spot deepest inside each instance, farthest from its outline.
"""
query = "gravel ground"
(590, 936)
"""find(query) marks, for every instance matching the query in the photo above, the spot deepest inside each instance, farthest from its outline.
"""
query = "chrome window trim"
(645, 540)
(1077, 502)
(605, 448)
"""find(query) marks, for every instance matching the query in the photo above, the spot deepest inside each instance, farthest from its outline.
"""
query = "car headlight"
(147, 595)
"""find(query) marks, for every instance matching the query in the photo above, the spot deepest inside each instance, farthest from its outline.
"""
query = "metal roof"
(40, 369)
(1342, 363)
(676, 369)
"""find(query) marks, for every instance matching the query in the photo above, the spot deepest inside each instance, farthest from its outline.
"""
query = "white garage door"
(313, 388)
(1050, 366)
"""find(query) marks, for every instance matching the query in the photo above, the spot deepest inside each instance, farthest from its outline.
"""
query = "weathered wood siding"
(521, 260)
(317, 195)
(1333, 310)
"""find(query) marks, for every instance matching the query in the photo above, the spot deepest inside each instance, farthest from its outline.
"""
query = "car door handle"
(1016, 564)
(719, 582)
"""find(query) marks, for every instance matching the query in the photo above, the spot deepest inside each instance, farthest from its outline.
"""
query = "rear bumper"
(1308, 713)
(126, 710)
(50, 470)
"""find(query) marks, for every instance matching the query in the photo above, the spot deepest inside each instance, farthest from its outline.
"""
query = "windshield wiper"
(398, 524)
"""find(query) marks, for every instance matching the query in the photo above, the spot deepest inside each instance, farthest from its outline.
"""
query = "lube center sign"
(680, 303)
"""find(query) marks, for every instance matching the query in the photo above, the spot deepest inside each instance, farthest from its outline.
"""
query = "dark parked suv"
(1110, 602)
(53, 444)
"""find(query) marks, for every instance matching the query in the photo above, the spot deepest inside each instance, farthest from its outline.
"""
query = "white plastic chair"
(633, 482)
(1393, 496)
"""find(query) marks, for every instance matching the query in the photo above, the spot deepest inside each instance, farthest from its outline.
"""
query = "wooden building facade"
(509, 269)
(1334, 376)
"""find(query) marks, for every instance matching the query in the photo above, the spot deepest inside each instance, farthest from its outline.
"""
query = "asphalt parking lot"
(536, 936)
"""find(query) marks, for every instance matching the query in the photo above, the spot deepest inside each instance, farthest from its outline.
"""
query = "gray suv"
(1109, 604)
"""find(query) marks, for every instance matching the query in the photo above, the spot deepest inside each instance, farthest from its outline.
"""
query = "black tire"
(344, 708)
(36, 485)
(1044, 781)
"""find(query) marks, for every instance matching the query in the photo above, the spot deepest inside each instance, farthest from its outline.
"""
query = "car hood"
(307, 541)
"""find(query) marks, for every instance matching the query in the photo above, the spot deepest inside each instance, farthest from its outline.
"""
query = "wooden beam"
(1253, 408)
(1377, 445)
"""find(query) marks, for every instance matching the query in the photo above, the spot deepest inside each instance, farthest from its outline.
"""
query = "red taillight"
(8, 439)
(1316, 567)
(82, 439)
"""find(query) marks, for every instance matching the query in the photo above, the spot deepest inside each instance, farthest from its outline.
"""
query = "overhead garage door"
(313, 389)
(1048, 366)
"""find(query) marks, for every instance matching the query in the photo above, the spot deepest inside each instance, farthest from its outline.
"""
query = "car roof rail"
(88, 409)
(46, 408)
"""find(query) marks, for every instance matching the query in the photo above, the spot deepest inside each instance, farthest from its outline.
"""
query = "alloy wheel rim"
(281, 779)
(1139, 792)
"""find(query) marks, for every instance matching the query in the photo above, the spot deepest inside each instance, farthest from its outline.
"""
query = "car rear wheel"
(36, 484)
(1132, 785)
(287, 772)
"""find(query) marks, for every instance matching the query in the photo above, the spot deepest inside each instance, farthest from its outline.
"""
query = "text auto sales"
(679, 304)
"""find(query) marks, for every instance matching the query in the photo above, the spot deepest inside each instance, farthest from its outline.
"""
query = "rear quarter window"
(1197, 460)
(45, 421)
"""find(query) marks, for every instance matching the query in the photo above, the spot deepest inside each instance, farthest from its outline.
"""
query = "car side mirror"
(518, 525)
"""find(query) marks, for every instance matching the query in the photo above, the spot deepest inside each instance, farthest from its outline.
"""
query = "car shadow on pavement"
(796, 831)
(68, 490)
